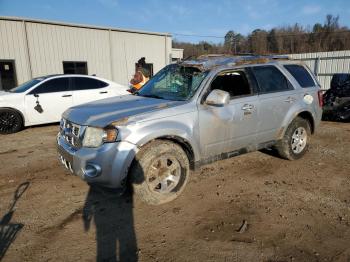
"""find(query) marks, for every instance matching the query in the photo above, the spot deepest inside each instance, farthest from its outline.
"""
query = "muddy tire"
(10, 121)
(295, 141)
(159, 172)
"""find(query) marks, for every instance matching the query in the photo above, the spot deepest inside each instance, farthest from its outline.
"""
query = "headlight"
(95, 137)
(62, 124)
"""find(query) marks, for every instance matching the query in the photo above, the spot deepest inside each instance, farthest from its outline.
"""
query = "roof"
(68, 75)
(30, 20)
(210, 61)
(46, 76)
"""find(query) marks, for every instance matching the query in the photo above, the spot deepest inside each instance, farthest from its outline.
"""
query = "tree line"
(329, 36)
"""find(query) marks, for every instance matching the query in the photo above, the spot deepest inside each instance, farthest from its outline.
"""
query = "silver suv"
(189, 114)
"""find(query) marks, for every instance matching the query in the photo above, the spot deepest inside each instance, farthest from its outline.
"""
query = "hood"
(7, 96)
(3, 93)
(103, 112)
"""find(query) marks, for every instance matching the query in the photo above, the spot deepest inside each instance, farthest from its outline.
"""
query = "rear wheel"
(10, 121)
(160, 172)
(295, 141)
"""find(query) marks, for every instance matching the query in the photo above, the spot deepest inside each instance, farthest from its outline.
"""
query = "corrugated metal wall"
(128, 48)
(325, 64)
(13, 47)
(109, 53)
(49, 45)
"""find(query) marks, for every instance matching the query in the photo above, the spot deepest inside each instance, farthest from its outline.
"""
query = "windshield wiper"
(152, 96)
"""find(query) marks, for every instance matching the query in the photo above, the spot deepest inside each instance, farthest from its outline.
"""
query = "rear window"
(85, 83)
(271, 80)
(300, 74)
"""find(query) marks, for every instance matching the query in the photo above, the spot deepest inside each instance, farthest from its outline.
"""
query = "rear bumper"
(107, 165)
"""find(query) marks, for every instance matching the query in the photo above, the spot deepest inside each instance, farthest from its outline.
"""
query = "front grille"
(75, 130)
(71, 133)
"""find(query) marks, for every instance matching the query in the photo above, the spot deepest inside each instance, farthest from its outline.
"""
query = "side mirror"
(36, 95)
(218, 98)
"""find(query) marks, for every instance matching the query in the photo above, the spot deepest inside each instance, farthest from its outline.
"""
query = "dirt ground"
(294, 211)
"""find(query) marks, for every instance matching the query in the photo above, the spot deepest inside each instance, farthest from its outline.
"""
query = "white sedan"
(43, 100)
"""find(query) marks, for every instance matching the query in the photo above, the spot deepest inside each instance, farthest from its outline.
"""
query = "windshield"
(173, 82)
(27, 85)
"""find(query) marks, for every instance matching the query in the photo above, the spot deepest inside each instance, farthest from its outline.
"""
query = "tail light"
(320, 98)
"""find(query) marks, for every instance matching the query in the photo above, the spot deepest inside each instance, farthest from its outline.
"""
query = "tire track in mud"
(74, 216)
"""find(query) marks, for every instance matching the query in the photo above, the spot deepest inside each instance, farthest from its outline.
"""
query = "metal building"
(325, 64)
(177, 54)
(31, 48)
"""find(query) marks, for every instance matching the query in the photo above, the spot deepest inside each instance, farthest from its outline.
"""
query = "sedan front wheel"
(10, 121)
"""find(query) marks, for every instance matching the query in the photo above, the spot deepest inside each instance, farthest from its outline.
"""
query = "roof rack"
(205, 62)
(213, 56)
(242, 56)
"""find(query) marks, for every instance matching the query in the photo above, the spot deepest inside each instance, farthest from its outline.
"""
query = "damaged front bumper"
(106, 165)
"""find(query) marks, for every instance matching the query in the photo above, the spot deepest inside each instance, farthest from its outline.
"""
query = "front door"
(233, 126)
(47, 102)
(7, 75)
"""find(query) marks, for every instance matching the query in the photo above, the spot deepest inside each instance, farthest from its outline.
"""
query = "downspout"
(111, 55)
(166, 51)
(27, 48)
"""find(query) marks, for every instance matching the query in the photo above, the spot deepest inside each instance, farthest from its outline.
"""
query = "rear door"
(276, 97)
(87, 89)
(47, 102)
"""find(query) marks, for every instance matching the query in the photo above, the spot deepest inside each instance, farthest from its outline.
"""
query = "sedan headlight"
(95, 137)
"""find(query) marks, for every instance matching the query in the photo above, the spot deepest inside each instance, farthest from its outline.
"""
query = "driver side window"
(52, 86)
(234, 82)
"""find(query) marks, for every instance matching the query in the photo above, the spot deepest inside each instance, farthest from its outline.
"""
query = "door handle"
(103, 92)
(247, 107)
(66, 95)
(290, 99)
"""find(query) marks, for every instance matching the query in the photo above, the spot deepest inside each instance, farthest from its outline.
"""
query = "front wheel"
(10, 121)
(160, 172)
(295, 141)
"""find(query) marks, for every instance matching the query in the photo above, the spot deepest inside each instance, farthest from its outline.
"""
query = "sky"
(212, 19)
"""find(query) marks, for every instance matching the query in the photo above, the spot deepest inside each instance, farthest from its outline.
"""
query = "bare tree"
(329, 36)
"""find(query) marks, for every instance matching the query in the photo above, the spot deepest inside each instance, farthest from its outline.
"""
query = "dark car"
(337, 99)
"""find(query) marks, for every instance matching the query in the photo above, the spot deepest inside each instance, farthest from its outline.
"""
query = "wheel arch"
(17, 111)
(182, 142)
(308, 116)
(305, 114)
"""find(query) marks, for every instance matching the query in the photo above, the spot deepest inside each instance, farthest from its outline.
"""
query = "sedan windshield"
(27, 85)
(173, 82)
